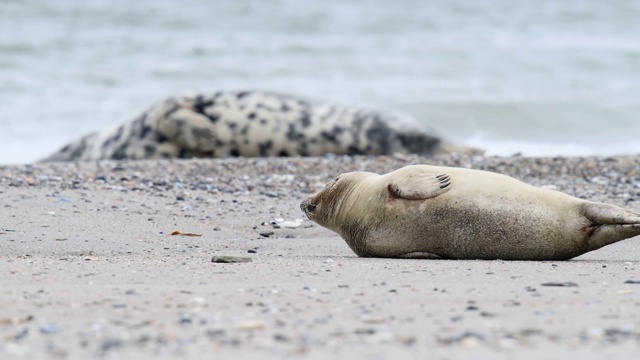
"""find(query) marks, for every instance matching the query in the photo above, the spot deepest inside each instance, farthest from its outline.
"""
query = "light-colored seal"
(254, 123)
(426, 211)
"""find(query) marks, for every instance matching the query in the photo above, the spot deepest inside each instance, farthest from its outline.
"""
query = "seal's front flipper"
(608, 224)
(419, 185)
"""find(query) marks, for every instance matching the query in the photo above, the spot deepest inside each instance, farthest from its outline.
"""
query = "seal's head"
(325, 207)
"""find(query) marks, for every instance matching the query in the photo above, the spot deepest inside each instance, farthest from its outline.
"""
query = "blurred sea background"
(538, 77)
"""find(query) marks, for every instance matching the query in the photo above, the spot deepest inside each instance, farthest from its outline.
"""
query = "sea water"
(538, 77)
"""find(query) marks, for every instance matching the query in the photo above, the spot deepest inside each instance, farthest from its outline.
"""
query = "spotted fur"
(253, 123)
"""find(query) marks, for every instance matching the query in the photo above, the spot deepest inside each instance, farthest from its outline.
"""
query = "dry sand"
(90, 269)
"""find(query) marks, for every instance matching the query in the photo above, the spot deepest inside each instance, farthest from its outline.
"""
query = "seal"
(255, 123)
(424, 211)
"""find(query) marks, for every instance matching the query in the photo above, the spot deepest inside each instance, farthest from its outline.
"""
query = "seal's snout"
(308, 206)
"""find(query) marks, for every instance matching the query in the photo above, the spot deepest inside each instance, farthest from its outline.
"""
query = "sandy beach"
(90, 268)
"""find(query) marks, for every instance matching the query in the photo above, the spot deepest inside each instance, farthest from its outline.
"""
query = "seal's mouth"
(309, 207)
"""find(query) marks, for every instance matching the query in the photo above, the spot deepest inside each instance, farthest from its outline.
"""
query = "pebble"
(50, 329)
(250, 325)
(560, 284)
(566, 174)
(288, 224)
(230, 259)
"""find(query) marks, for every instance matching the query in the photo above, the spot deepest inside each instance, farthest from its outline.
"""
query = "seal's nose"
(307, 206)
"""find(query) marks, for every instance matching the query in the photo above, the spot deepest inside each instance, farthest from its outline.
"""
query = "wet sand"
(90, 268)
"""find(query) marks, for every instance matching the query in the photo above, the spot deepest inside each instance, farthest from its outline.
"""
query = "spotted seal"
(426, 211)
(255, 123)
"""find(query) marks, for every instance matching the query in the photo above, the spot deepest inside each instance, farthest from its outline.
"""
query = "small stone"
(288, 224)
(251, 251)
(21, 334)
(560, 284)
(215, 332)
(369, 319)
(365, 331)
(230, 259)
(266, 233)
(182, 196)
(632, 282)
(250, 325)
(50, 329)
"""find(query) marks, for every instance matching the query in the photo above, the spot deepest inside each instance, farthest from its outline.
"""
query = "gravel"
(90, 269)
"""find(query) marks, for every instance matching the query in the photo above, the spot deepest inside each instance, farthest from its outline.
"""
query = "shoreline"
(91, 268)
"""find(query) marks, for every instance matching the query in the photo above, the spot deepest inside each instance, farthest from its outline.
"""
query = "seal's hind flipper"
(420, 185)
(609, 224)
(605, 214)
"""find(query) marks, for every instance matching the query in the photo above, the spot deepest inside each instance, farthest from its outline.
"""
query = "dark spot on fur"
(305, 119)
(283, 153)
(212, 117)
(242, 94)
(202, 136)
(252, 116)
(265, 147)
(149, 151)
(285, 108)
(145, 131)
(120, 153)
(234, 152)
(161, 138)
(172, 110)
(114, 139)
(329, 137)
(293, 134)
(245, 130)
(263, 121)
(419, 143)
(378, 134)
(352, 150)
(200, 105)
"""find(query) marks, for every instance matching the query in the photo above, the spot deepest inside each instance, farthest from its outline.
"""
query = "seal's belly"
(480, 229)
